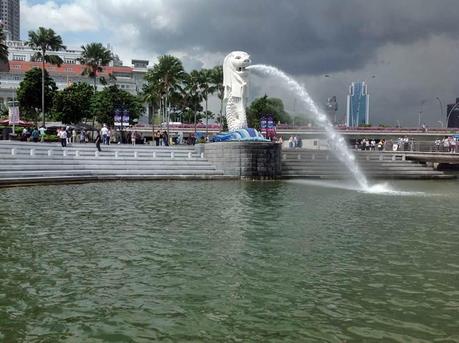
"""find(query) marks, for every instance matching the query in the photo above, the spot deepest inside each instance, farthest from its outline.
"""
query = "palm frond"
(54, 59)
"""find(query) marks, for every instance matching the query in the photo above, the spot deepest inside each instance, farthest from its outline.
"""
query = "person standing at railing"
(109, 134)
(42, 133)
(133, 137)
(157, 137)
(82, 137)
(446, 144)
(68, 134)
(437, 144)
(165, 138)
(35, 135)
(452, 144)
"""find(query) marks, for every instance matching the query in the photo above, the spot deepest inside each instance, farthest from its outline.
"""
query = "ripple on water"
(208, 261)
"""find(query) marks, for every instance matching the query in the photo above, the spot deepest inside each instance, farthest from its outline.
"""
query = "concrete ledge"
(248, 160)
(37, 181)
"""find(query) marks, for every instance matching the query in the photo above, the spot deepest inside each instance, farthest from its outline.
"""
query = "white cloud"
(77, 16)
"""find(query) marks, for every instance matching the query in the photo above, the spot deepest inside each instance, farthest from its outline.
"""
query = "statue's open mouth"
(241, 69)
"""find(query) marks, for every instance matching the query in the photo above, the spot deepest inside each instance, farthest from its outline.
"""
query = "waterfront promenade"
(29, 163)
(24, 163)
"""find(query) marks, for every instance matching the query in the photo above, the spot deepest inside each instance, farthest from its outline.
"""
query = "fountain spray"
(342, 152)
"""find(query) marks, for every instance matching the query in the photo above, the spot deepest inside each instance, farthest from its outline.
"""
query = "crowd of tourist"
(295, 142)
(370, 144)
(33, 134)
(447, 144)
(106, 136)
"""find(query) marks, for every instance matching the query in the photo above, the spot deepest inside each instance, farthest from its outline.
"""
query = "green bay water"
(229, 261)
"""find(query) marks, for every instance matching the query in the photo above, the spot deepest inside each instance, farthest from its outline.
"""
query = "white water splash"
(386, 189)
(378, 189)
(341, 151)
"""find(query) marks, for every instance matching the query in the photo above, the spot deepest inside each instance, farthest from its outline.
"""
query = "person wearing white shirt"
(104, 132)
(63, 137)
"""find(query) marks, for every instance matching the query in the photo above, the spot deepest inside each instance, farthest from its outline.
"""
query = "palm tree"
(3, 47)
(45, 40)
(217, 81)
(152, 95)
(95, 57)
(193, 92)
(167, 74)
(207, 88)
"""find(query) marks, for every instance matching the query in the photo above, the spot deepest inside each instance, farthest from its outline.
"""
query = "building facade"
(358, 105)
(10, 18)
(332, 108)
(128, 78)
(452, 113)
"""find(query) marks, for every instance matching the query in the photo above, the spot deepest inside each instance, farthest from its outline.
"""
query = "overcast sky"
(408, 50)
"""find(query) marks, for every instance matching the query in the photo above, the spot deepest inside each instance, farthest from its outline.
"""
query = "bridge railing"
(413, 146)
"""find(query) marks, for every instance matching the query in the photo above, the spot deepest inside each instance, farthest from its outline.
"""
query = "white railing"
(116, 154)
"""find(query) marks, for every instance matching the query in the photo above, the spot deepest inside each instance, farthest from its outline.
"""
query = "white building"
(130, 78)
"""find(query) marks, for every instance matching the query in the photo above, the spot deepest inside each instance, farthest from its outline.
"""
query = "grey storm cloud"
(301, 36)
(412, 46)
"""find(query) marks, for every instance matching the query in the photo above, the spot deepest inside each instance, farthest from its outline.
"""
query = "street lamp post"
(441, 107)
(421, 111)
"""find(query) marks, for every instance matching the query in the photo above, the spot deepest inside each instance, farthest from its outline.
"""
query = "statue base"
(245, 159)
(246, 135)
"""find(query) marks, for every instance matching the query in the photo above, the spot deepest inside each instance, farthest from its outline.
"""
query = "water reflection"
(213, 261)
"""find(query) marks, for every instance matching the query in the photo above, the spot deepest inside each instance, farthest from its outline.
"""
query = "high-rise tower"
(10, 18)
(358, 105)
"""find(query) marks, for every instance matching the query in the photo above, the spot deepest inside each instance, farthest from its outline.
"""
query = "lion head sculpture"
(235, 73)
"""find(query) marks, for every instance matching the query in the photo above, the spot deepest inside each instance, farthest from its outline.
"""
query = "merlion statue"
(235, 79)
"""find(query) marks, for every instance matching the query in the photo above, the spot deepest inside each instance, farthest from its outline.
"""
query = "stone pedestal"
(247, 160)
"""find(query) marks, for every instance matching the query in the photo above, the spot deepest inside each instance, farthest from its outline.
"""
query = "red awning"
(6, 122)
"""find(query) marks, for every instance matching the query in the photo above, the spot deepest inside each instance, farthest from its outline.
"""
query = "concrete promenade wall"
(247, 160)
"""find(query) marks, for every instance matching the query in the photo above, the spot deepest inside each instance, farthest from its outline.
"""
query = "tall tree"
(207, 88)
(266, 106)
(193, 93)
(3, 47)
(29, 93)
(167, 75)
(217, 81)
(105, 102)
(95, 57)
(152, 95)
(73, 104)
(45, 40)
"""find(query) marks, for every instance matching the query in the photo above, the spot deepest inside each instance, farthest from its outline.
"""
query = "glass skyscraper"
(358, 105)
(10, 18)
